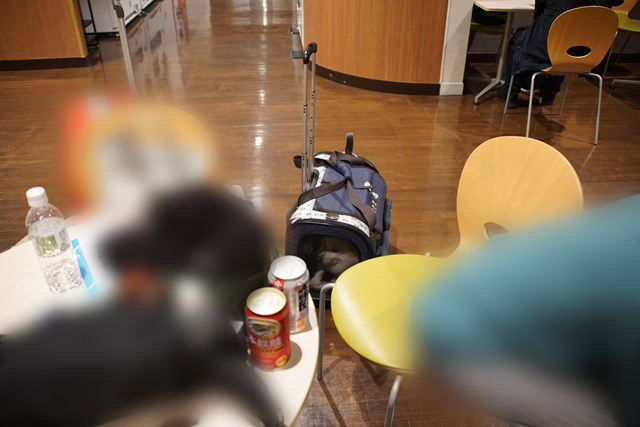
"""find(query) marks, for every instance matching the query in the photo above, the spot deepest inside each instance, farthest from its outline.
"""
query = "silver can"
(290, 275)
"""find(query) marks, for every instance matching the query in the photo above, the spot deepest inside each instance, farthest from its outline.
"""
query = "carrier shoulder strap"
(329, 187)
(352, 159)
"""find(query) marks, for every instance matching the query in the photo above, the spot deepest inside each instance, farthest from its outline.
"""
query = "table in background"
(24, 296)
(510, 7)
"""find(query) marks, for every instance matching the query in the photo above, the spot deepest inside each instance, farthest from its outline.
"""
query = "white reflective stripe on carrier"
(306, 211)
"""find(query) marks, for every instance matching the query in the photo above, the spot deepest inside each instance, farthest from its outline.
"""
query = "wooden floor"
(228, 62)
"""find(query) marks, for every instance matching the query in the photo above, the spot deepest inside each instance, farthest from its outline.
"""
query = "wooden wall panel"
(40, 29)
(393, 40)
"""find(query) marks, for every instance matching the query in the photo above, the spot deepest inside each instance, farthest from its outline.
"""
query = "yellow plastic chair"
(625, 23)
(629, 26)
(490, 29)
(494, 30)
(510, 181)
(578, 41)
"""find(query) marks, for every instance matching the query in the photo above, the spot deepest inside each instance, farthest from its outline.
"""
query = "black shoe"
(548, 98)
(513, 99)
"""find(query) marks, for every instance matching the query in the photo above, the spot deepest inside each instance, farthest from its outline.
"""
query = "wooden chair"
(578, 41)
(510, 181)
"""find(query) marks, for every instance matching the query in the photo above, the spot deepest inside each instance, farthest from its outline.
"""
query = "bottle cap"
(37, 197)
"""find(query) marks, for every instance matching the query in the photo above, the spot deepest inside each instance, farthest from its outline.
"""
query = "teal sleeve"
(562, 294)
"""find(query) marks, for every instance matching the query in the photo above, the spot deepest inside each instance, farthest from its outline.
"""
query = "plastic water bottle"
(51, 242)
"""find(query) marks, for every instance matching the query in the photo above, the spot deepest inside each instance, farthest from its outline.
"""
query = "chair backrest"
(624, 6)
(580, 38)
(514, 182)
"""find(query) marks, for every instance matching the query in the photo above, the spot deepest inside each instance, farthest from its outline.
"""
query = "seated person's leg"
(551, 86)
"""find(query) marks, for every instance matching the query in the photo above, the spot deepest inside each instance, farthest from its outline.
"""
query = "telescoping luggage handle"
(308, 154)
(124, 41)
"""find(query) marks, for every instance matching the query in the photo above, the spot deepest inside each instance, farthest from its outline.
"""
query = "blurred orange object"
(79, 117)
(120, 152)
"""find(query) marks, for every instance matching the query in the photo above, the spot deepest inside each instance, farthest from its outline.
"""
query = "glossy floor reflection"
(228, 62)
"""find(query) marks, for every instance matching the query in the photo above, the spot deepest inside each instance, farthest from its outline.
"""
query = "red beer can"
(267, 321)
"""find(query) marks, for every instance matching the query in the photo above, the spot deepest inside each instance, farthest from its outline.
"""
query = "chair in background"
(625, 24)
(578, 41)
(493, 30)
(483, 28)
(491, 23)
(510, 182)
(630, 26)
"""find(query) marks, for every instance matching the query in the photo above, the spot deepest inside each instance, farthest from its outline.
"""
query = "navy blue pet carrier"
(347, 200)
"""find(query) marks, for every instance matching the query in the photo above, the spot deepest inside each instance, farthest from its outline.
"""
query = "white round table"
(24, 296)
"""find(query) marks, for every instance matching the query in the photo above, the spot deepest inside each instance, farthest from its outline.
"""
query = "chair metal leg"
(606, 64)
(533, 83)
(564, 95)
(506, 101)
(599, 104)
(391, 404)
(623, 47)
(624, 81)
(323, 299)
